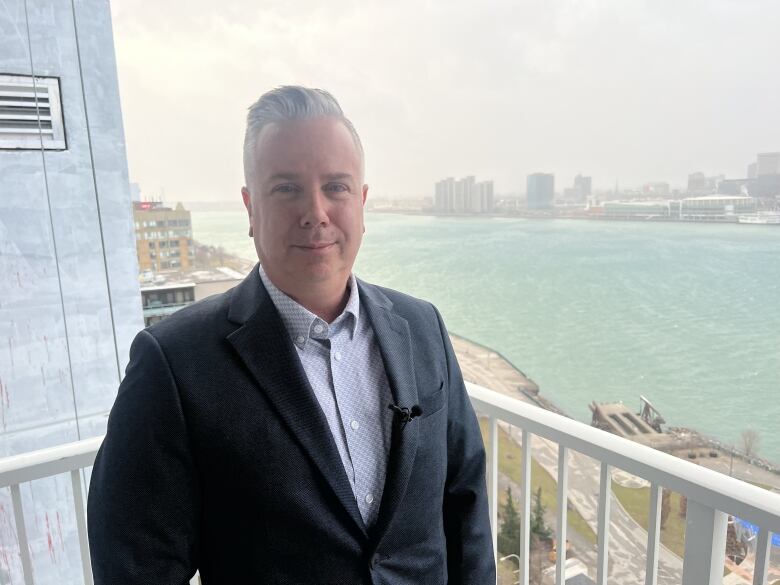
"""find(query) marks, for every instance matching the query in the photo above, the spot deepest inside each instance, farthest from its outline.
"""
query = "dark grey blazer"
(219, 458)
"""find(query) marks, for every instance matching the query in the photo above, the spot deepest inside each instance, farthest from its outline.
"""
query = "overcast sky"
(623, 90)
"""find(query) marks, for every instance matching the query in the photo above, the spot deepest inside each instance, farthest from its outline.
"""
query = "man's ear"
(365, 194)
(247, 200)
(248, 204)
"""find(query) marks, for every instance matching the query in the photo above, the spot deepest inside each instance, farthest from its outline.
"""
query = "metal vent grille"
(31, 113)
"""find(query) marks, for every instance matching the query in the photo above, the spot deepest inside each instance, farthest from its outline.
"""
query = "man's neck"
(327, 305)
(325, 299)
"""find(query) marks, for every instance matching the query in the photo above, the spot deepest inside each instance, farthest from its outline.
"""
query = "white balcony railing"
(711, 496)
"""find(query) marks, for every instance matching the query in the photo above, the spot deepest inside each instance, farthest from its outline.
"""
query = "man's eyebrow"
(283, 177)
(337, 176)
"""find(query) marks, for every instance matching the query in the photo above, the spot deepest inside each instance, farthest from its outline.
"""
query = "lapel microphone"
(404, 414)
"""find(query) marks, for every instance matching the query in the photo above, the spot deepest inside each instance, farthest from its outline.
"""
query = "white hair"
(290, 102)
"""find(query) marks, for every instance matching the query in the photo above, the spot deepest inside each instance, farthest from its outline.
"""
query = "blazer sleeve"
(470, 557)
(143, 495)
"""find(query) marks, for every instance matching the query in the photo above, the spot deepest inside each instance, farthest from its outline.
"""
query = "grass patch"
(509, 459)
(636, 501)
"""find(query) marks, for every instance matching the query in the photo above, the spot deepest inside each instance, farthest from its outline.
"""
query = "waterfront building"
(163, 237)
(465, 195)
(486, 196)
(701, 184)
(540, 190)
(470, 201)
(716, 207)
(697, 183)
(162, 300)
(642, 209)
(767, 187)
(579, 192)
(163, 295)
(583, 186)
(768, 163)
(736, 187)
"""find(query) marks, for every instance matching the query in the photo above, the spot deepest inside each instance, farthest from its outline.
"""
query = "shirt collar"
(301, 324)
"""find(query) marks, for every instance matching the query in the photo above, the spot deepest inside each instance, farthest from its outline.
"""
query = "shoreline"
(487, 367)
(549, 217)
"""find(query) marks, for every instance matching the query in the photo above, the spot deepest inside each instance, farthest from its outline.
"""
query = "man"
(305, 427)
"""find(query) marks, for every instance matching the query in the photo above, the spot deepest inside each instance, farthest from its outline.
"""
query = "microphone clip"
(404, 414)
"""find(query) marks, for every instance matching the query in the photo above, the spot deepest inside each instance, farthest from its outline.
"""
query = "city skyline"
(625, 92)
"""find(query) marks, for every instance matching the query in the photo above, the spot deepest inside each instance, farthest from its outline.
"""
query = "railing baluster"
(653, 534)
(81, 524)
(525, 511)
(605, 499)
(705, 545)
(21, 533)
(563, 490)
(761, 568)
(493, 482)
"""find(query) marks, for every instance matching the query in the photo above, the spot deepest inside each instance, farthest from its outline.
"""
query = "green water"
(687, 315)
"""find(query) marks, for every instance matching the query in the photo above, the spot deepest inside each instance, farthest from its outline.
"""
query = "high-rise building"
(768, 163)
(698, 184)
(540, 190)
(485, 193)
(583, 186)
(71, 301)
(163, 237)
(752, 170)
(465, 195)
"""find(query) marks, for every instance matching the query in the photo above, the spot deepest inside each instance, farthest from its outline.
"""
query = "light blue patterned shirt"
(345, 369)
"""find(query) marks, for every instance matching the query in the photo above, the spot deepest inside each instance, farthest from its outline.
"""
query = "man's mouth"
(316, 246)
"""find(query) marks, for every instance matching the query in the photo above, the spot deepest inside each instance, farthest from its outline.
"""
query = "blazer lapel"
(265, 347)
(395, 344)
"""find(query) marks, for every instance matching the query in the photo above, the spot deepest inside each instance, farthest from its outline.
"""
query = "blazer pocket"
(434, 402)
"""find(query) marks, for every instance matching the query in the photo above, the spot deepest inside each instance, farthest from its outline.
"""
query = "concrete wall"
(69, 296)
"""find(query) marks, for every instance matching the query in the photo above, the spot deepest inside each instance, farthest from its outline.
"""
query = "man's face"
(305, 203)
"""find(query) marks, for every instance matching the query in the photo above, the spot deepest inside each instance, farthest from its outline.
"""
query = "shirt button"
(369, 498)
(318, 328)
(337, 356)
(299, 339)
(355, 425)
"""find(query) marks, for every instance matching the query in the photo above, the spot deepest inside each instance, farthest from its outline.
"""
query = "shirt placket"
(352, 419)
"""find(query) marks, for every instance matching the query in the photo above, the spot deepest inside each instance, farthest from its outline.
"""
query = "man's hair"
(290, 102)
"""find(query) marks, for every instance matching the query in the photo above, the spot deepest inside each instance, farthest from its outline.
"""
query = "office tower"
(768, 163)
(583, 187)
(540, 190)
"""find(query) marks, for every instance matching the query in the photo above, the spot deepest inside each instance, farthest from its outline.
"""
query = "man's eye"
(284, 189)
(336, 187)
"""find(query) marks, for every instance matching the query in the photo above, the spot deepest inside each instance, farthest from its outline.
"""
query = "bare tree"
(666, 507)
(749, 441)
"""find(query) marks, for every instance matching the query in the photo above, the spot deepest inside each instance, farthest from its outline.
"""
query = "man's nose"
(315, 212)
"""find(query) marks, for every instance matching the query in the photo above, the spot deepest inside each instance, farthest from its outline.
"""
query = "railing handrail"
(703, 485)
(42, 463)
